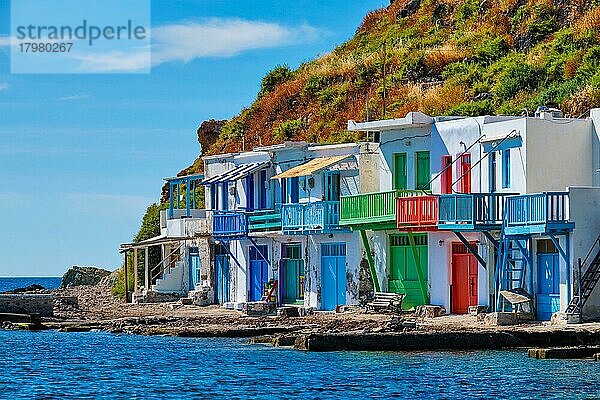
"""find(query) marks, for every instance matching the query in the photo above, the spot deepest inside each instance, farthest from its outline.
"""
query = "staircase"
(170, 275)
(588, 281)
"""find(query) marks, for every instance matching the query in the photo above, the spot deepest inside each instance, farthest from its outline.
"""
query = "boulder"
(80, 276)
(31, 288)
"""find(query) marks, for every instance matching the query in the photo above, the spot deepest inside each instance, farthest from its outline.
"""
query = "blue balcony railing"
(471, 211)
(303, 218)
(229, 224)
(538, 213)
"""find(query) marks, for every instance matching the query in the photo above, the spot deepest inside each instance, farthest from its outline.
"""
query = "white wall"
(585, 212)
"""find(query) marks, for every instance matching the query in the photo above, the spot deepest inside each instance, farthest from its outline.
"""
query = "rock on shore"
(83, 276)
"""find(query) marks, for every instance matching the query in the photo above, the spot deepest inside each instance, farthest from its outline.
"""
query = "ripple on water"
(100, 365)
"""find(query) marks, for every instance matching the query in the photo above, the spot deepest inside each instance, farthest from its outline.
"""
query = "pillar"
(147, 279)
(135, 271)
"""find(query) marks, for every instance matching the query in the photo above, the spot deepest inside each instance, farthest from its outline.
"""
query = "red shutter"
(465, 172)
(446, 175)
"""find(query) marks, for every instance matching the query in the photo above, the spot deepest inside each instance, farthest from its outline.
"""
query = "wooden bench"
(386, 302)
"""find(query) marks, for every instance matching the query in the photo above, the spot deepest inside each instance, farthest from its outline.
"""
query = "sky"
(83, 155)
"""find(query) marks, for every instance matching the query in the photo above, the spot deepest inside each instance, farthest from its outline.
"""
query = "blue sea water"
(10, 283)
(101, 365)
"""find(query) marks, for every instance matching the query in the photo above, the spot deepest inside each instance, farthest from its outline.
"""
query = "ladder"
(510, 271)
(588, 281)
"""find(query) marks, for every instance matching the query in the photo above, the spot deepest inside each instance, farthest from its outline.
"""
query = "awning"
(238, 172)
(154, 241)
(310, 167)
(502, 142)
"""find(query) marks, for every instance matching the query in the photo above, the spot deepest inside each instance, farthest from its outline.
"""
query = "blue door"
(548, 293)
(194, 268)
(333, 275)
(259, 271)
(221, 275)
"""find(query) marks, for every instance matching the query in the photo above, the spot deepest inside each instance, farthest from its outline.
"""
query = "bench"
(386, 302)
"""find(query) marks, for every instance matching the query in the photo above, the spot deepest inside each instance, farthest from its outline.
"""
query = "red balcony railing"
(417, 212)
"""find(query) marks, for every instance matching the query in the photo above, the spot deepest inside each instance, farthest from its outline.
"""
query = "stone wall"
(42, 304)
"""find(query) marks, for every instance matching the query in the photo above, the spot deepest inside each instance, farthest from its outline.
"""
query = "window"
(262, 190)
(492, 172)
(292, 194)
(399, 171)
(422, 170)
(446, 174)
(332, 186)
(250, 192)
(465, 173)
(224, 196)
(213, 197)
(506, 168)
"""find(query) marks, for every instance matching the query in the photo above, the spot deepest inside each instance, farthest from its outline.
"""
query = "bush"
(472, 109)
(515, 75)
(288, 130)
(315, 84)
(278, 75)
(491, 50)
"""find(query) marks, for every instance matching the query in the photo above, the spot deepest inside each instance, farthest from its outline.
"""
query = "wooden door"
(399, 171)
(464, 291)
(259, 271)
(333, 275)
(404, 276)
(292, 270)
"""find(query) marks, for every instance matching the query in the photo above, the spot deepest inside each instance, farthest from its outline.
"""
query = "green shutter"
(400, 171)
(423, 171)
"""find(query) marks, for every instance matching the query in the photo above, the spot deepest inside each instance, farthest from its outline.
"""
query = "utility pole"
(384, 73)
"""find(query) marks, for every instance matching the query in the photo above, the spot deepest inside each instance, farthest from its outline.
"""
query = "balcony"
(546, 212)
(264, 221)
(307, 218)
(417, 213)
(229, 224)
(375, 211)
(471, 212)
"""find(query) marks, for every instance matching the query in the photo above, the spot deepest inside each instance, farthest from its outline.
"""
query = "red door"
(464, 279)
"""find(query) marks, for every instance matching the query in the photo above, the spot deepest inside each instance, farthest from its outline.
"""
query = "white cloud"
(73, 97)
(4, 41)
(184, 42)
(3, 86)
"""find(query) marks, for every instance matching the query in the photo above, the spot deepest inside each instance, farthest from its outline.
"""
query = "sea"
(56, 365)
(10, 283)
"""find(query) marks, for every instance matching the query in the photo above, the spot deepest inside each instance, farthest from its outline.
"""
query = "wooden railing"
(229, 224)
(474, 208)
(264, 220)
(310, 217)
(372, 207)
(538, 209)
(417, 211)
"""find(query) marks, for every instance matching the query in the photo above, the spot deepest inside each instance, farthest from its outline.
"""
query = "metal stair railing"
(587, 282)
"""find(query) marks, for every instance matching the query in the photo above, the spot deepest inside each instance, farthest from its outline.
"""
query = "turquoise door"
(259, 271)
(222, 278)
(292, 271)
(333, 275)
(548, 293)
(194, 262)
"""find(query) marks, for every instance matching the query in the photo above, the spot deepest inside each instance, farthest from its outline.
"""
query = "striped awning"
(239, 172)
(310, 167)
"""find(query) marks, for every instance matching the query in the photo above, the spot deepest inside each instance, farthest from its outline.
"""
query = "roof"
(153, 241)
(310, 167)
(186, 177)
(238, 172)
(412, 119)
(502, 142)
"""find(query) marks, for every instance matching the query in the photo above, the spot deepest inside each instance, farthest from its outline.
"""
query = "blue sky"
(83, 155)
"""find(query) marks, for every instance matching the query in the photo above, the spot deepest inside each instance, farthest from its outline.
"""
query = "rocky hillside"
(461, 57)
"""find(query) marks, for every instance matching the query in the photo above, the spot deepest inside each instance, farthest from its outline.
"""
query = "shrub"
(472, 109)
(315, 84)
(491, 50)
(278, 75)
(515, 75)
(288, 130)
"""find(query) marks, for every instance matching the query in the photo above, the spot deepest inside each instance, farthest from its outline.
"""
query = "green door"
(423, 170)
(293, 274)
(404, 277)
(400, 171)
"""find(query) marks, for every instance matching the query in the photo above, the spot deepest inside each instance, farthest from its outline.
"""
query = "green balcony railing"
(264, 221)
(377, 210)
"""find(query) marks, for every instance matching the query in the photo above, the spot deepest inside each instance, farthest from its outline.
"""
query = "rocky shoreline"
(93, 308)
